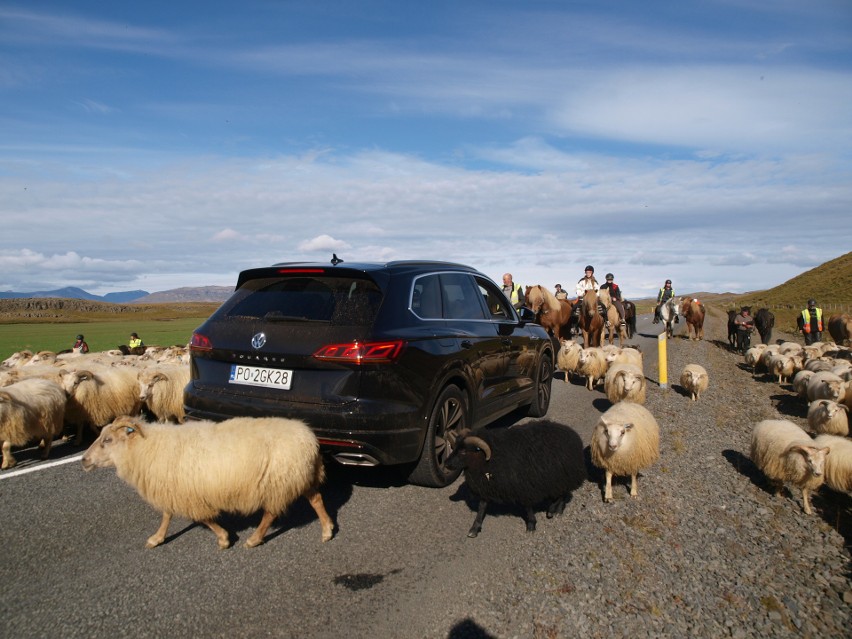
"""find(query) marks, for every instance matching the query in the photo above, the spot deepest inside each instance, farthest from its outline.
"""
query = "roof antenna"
(335, 260)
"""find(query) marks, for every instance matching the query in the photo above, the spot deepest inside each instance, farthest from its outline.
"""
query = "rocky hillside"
(74, 310)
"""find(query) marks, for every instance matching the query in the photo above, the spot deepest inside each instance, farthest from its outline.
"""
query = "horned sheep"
(161, 391)
(592, 365)
(626, 440)
(838, 465)
(97, 396)
(694, 380)
(800, 382)
(524, 465)
(201, 469)
(786, 453)
(30, 409)
(782, 365)
(625, 382)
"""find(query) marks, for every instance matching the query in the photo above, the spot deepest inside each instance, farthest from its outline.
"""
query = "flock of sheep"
(820, 374)
(244, 465)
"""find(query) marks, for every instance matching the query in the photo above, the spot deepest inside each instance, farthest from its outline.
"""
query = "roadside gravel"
(706, 550)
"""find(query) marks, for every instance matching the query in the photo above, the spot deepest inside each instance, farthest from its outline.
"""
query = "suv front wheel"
(448, 414)
(543, 380)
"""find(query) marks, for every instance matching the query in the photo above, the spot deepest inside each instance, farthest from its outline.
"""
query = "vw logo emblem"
(258, 341)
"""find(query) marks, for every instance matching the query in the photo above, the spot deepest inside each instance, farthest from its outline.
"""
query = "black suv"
(381, 360)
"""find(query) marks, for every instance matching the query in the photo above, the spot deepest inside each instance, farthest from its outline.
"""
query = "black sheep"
(526, 465)
(764, 320)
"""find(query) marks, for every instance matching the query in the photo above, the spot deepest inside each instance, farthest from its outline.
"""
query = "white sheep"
(202, 469)
(626, 440)
(769, 351)
(694, 380)
(625, 355)
(800, 382)
(98, 396)
(786, 453)
(17, 359)
(30, 409)
(625, 382)
(782, 366)
(568, 357)
(752, 357)
(591, 364)
(828, 417)
(838, 465)
(826, 385)
(161, 390)
(790, 348)
(819, 364)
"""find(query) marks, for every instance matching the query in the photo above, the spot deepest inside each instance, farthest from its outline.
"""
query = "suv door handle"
(466, 343)
(506, 341)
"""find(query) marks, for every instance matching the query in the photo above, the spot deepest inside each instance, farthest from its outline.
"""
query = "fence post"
(662, 361)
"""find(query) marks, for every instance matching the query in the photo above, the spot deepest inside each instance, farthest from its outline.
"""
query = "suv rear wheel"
(543, 380)
(448, 414)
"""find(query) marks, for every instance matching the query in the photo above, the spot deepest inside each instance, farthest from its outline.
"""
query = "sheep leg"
(315, 499)
(529, 517)
(608, 487)
(806, 501)
(78, 439)
(46, 443)
(477, 523)
(634, 489)
(8, 460)
(257, 538)
(222, 537)
(556, 508)
(159, 537)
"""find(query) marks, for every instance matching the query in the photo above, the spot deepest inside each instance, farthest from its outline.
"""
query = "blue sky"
(159, 145)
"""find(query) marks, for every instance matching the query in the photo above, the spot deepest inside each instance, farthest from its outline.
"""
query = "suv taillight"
(200, 342)
(361, 352)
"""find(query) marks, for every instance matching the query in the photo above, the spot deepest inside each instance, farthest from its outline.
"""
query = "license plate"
(257, 376)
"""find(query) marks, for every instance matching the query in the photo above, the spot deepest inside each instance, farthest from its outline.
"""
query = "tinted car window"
(338, 301)
(495, 301)
(461, 297)
(426, 297)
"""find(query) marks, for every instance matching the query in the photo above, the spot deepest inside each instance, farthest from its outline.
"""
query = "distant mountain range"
(198, 294)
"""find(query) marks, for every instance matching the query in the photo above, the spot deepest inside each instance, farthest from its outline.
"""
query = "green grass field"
(100, 336)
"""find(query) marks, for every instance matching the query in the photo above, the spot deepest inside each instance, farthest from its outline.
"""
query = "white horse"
(668, 312)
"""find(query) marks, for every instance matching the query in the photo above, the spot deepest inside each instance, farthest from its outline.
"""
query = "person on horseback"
(665, 294)
(560, 293)
(586, 283)
(615, 296)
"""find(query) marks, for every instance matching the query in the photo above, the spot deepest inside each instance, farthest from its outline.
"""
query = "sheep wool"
(567, 359)
(626, 440)
(694, 380)
(786, 453)
(161, 391)
(592, 365)
(30, 409)
(828, 417)
(625, 382)
(838, 464)
(201, 469)
(98, 396)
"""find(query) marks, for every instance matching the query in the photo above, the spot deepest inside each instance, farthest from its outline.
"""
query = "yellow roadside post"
(662, 362)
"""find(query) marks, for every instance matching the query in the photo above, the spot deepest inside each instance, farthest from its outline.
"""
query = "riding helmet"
(590, 268)
(610, 276)
(80, 336)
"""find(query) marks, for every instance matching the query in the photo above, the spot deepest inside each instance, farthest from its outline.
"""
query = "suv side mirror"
(527, 314)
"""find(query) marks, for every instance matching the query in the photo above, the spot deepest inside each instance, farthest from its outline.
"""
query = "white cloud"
(323, 243)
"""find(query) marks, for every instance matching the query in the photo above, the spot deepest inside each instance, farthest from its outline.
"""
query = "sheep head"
(615, 434)
(469, 451)
(814, 457)
(113, 438)
(72, 380)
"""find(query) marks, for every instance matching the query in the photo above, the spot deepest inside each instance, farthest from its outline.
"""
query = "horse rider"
(560, 293)
(665, 294)
(586, 283)
(615, 296)
(512, 291)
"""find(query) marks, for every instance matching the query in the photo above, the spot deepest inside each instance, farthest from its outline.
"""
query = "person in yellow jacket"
(810, 322)
(134, 346)
(512, 291)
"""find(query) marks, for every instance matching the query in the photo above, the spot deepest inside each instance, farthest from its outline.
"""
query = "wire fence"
(830, 306)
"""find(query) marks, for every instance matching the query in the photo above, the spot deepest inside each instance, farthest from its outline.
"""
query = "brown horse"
(553, 314)
(693, 311)
(591, 322)
(615, 326)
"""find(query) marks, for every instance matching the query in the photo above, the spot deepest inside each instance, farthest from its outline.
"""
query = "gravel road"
(706, 550)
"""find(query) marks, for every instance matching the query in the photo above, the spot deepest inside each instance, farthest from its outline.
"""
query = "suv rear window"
(340, 301)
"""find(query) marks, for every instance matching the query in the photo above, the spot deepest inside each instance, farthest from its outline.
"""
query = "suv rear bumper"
(356, 433)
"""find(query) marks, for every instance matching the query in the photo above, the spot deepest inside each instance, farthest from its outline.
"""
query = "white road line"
(31, 469)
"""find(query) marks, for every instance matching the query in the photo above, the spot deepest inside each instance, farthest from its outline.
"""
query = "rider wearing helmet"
(665, 294)
(615, 296)
(586, 283)
(80, 345)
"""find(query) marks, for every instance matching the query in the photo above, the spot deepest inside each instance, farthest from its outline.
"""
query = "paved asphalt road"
(75, 564)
